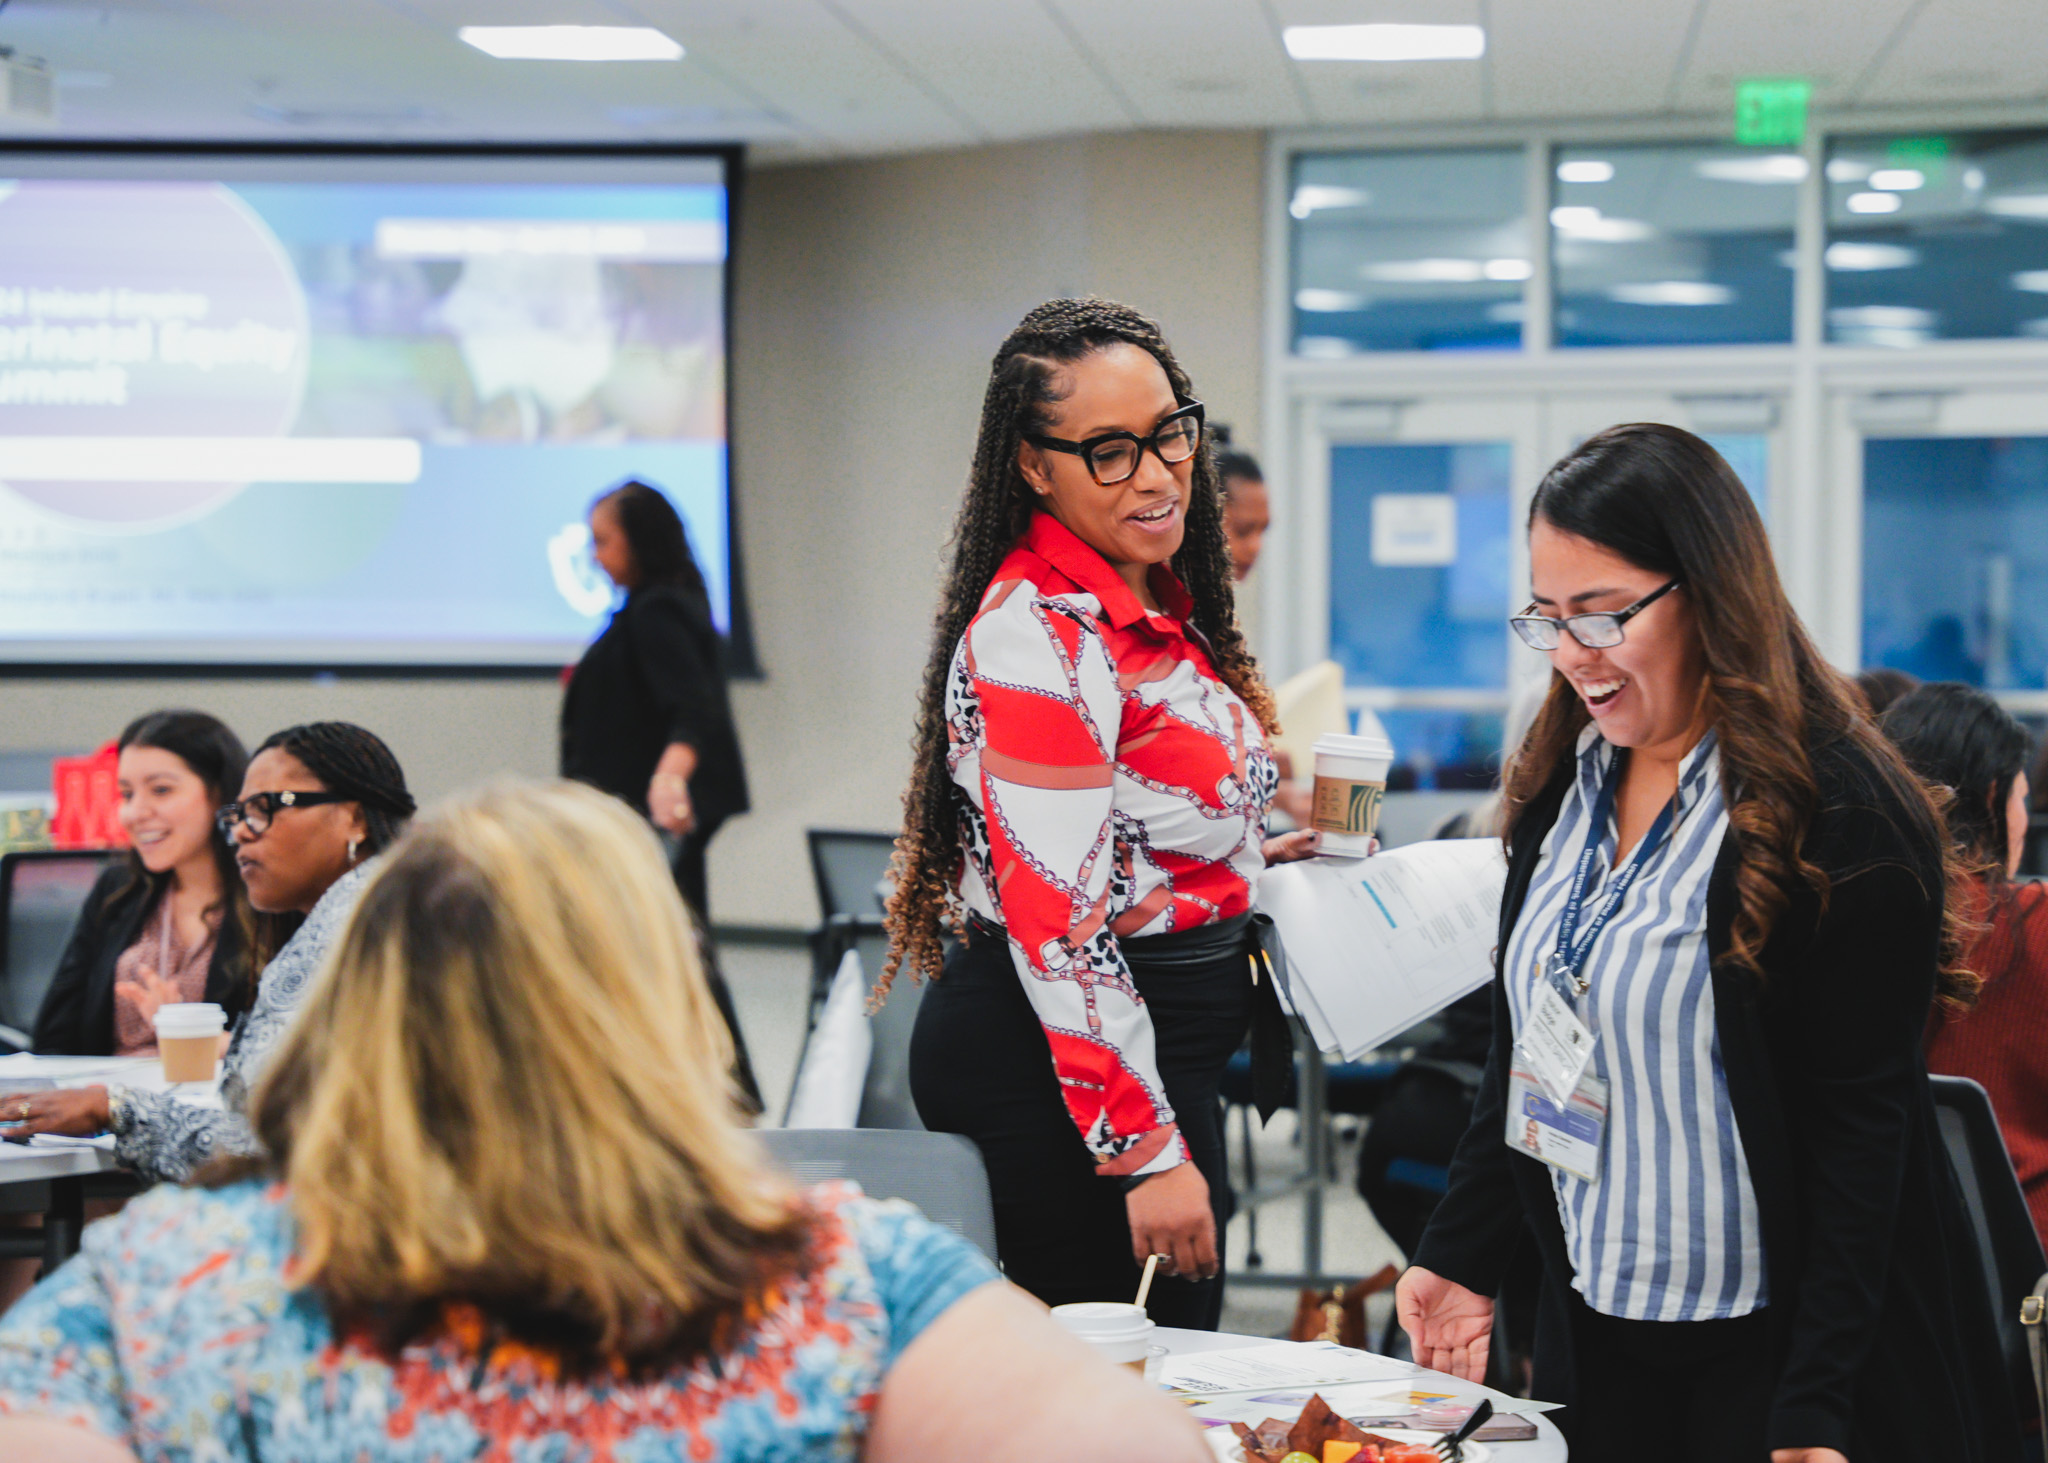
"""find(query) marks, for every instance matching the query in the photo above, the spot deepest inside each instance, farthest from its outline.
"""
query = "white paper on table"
(32, 1072)
(1375, 945)
(103, 1141)
(835, 1069)
(1352, 1400)
(1279, 1366)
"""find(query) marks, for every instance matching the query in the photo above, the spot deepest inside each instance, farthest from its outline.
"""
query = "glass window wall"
(1937, 238)
(1408, 251)
(1978, 507)
(1674, 244)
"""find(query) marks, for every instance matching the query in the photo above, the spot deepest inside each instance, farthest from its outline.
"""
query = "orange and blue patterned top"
(177, 1331)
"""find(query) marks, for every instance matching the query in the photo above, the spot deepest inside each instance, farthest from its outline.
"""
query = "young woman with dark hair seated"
(1960, 739)
(171, 922)
(509, 1211)
(317, 804)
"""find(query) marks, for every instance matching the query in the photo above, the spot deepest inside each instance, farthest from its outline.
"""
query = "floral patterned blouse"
(176, 1331)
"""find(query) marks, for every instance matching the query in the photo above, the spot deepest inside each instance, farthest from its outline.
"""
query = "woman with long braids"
(1725, 922)
(317, 805)
(1090, 787)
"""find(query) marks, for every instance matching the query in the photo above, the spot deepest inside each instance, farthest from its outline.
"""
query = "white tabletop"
(32, 1163)
(1548, 1446)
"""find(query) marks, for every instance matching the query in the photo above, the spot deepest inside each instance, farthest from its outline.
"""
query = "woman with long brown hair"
(1725, 923)
(1090, 789)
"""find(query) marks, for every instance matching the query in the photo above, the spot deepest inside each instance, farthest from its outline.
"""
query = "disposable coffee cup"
(1119, 1331)
(1351, 782)
(188, 1039)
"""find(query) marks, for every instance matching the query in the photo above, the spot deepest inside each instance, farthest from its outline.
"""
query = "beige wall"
(870, 298)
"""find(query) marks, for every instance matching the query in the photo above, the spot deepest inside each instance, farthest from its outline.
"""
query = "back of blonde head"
(510, 1090)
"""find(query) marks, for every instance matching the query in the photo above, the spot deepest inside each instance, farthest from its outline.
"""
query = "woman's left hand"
(77, 1112)
(1807, 1455)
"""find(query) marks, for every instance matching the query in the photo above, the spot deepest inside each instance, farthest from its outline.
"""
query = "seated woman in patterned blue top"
(508, 1212)
(318, 803)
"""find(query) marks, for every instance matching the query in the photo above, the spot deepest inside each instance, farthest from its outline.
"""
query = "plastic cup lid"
(1103, 1319)
(1339, 745)
(191, 1017)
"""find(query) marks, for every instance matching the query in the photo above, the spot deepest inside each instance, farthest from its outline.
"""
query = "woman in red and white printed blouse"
(1091, 791)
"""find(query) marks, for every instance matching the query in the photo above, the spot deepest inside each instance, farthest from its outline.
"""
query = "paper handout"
(1375, 945)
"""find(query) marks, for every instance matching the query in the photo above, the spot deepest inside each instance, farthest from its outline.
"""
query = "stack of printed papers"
(1375, 945)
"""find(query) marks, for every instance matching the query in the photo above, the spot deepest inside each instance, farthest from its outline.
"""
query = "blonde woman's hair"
(509, 1092)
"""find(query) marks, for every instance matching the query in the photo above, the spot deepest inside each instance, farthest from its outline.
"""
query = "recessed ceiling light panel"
(572, 42)
(1384, 42)
(1585, 170)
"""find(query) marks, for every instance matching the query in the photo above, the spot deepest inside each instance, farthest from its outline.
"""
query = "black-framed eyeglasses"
(1113, 457)
(1595, 632)
(257, 809)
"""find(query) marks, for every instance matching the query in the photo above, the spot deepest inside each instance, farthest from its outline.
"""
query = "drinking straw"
(1145, 1285)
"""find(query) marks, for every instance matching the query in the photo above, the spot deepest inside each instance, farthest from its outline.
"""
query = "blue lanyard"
(1564, 966)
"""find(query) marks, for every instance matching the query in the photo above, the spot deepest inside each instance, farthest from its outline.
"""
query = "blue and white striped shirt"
(1671, 1232)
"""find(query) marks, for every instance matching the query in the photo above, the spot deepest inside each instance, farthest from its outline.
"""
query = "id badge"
(1555, 1045)
(1564, 1136)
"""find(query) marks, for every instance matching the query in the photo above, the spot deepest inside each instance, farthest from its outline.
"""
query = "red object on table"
(88, 800)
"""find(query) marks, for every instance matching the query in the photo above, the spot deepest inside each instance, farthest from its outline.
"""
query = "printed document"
(1375, 945)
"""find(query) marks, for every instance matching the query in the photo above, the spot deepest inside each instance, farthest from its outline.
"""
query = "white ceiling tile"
(1350, 92)
(1193, 63)
(800, 60)
(1829, 42)
(1011, 66)
(1964, 51)
(1589, 58)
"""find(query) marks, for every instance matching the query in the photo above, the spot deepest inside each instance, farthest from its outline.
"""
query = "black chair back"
(41, 894)
(850, 867)
(2008, 1246)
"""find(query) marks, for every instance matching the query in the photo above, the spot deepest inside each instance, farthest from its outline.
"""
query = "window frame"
(1825, 392)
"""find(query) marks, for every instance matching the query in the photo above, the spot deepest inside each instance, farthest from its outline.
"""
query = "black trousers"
(688, 867)
(1685, 1391)
(980, 1066)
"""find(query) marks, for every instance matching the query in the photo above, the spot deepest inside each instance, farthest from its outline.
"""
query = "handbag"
(1338, 1314)
(2034, 1317)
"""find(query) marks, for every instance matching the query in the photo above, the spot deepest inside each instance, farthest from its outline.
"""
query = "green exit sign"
(1771, 112)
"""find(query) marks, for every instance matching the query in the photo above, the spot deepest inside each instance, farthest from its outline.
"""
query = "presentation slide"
(347, 412)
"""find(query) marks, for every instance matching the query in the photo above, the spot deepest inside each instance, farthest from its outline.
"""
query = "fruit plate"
(1228, 1450)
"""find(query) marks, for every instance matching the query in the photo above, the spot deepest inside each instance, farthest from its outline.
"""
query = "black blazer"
(77, 1018)
(1881, 1333)
(655, 676)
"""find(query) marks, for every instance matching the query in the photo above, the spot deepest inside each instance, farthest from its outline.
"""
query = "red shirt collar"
(1058, 545)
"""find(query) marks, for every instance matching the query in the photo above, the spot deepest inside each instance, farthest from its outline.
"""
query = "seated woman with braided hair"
(1091, 786)
(318, 803)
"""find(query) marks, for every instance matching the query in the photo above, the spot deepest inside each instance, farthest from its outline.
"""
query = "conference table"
(64, 1170)
(1548, 1446)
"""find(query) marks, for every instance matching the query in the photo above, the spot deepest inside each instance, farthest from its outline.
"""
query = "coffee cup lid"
(1339, 745)
(1103, 1320)
(191, 1017)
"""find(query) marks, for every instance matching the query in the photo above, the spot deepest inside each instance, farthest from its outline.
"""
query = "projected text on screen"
(346, 421)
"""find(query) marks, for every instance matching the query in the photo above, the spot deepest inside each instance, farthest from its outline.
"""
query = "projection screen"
(348, 409)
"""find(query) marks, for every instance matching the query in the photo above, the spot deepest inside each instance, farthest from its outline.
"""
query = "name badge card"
(1566, 1137)
(1555, 1045)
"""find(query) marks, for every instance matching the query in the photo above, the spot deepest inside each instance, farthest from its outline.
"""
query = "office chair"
(941, 1173)
(2007, 1246)
(41, 894)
